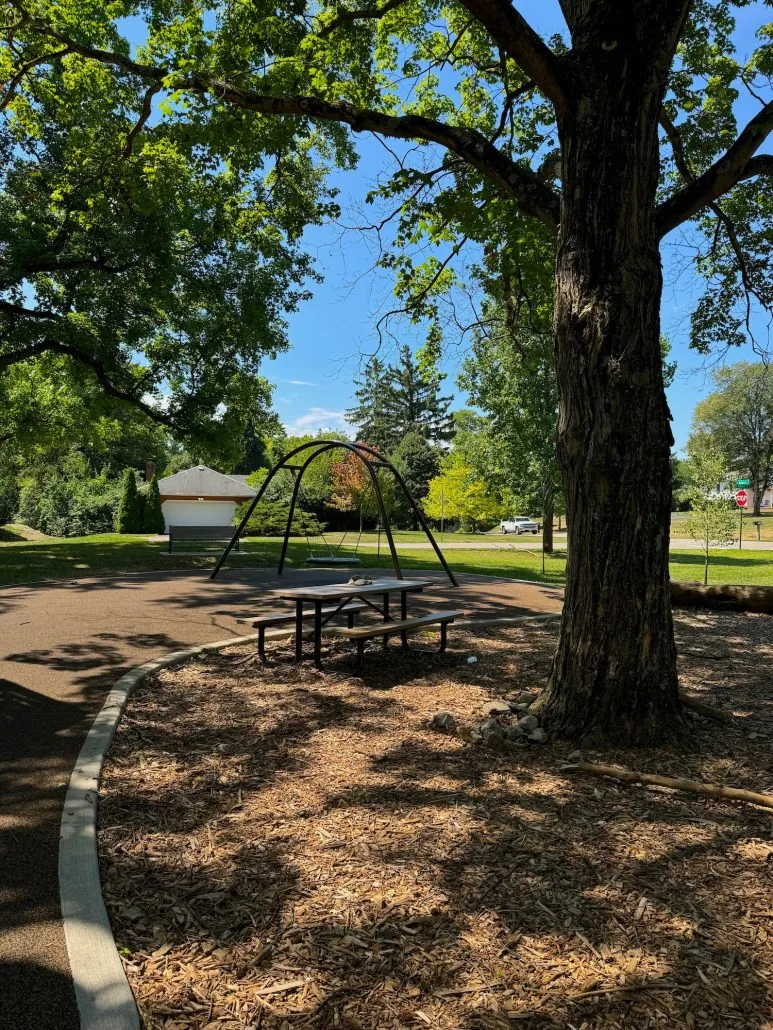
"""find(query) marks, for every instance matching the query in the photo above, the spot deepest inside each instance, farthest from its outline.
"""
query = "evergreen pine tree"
(153, 517)
(396, 400)
(128, 518)
(413, 402)
(256, 452)
(369, 416)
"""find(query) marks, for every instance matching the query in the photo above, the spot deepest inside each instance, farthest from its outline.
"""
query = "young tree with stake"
(712, 519)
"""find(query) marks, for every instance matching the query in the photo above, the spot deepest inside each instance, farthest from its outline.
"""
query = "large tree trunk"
(614, 672)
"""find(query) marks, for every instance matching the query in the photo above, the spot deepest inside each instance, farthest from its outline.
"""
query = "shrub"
(152, 516)
(270, 519)
(92, 507)
(9, 498)
(68, 506)
(128, 518)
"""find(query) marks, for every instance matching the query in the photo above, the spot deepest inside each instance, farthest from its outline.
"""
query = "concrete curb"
(104, 998)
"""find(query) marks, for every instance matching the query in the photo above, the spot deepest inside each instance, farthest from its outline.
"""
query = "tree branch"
(364, 13)
(70, 265)
(111, 57)
(147, 110)
(26, 67)
(516, 181)
(534, 197)
(19, 311)
(723, 218)
(737, 163)
(95, 366)
(762, 164)
(517, 38)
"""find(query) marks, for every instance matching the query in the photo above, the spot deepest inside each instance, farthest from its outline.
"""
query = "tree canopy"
(472, 81)
(511, 374)
(138, 257)
(737, 420)
(455, 493)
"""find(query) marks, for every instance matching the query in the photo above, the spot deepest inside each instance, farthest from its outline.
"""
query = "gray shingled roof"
(201, 481)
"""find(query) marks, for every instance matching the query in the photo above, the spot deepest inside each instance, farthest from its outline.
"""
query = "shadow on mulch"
(286, 848)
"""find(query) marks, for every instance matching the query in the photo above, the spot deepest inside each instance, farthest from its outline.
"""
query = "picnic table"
(342, 594)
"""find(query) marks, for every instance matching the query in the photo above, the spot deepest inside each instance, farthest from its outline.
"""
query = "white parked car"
(518, 524)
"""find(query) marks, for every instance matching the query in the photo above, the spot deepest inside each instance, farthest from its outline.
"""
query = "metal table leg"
(299, 630)
(318, 634)
(404, 616)
(385, 640)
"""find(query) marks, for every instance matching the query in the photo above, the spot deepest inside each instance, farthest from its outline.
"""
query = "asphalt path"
(62, 645)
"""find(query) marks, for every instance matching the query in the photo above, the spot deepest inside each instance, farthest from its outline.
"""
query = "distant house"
(199, 496)
(728, 488)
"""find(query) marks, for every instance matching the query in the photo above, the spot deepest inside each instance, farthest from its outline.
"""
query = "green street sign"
(743, 482)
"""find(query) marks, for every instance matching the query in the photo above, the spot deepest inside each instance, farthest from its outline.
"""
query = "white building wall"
(198, 513)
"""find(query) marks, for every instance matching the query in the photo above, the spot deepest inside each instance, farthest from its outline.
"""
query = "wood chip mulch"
(284, 849)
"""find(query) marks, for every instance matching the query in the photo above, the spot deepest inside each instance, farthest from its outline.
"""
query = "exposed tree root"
(706, 710)
(654, 779)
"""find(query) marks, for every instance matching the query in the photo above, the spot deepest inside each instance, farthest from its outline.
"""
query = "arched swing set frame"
(298, 461)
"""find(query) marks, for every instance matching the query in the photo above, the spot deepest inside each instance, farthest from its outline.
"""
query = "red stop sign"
(741, 498)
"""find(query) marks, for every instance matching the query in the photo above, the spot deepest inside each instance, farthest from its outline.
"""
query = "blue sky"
(331, 331)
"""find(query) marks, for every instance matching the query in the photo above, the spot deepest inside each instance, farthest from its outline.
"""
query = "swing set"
(333, 557)
(297, 462)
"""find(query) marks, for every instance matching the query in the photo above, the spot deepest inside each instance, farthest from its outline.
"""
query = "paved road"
(61, 647)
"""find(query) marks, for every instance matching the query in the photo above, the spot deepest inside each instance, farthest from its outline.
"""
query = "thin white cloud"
(316, 419)
(298, 382)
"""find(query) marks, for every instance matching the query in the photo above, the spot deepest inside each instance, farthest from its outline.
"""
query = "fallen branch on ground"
(655, 780)
(704, 709)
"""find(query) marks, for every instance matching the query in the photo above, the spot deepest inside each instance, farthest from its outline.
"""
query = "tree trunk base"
(672, 728)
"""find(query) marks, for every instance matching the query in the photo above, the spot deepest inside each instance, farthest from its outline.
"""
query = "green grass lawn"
(679, 518)
(24, 561)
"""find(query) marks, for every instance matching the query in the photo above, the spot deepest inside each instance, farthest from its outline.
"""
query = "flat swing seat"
(332, 560)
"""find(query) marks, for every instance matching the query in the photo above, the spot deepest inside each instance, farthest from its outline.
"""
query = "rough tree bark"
(614, 672)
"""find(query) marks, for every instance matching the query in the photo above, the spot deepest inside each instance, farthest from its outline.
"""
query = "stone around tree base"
(497, 708)
(444, 721)
(538, 736)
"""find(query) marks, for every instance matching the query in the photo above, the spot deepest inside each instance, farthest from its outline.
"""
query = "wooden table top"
(338, 591)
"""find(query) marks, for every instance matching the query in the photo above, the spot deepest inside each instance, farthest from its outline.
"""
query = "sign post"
(740, 499)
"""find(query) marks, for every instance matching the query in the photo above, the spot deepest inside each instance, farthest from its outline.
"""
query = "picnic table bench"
(364, 592)
(361, 634)
(273, 619)
(216, 533)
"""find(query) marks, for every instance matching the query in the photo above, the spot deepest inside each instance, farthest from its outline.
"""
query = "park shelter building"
(200, 496)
